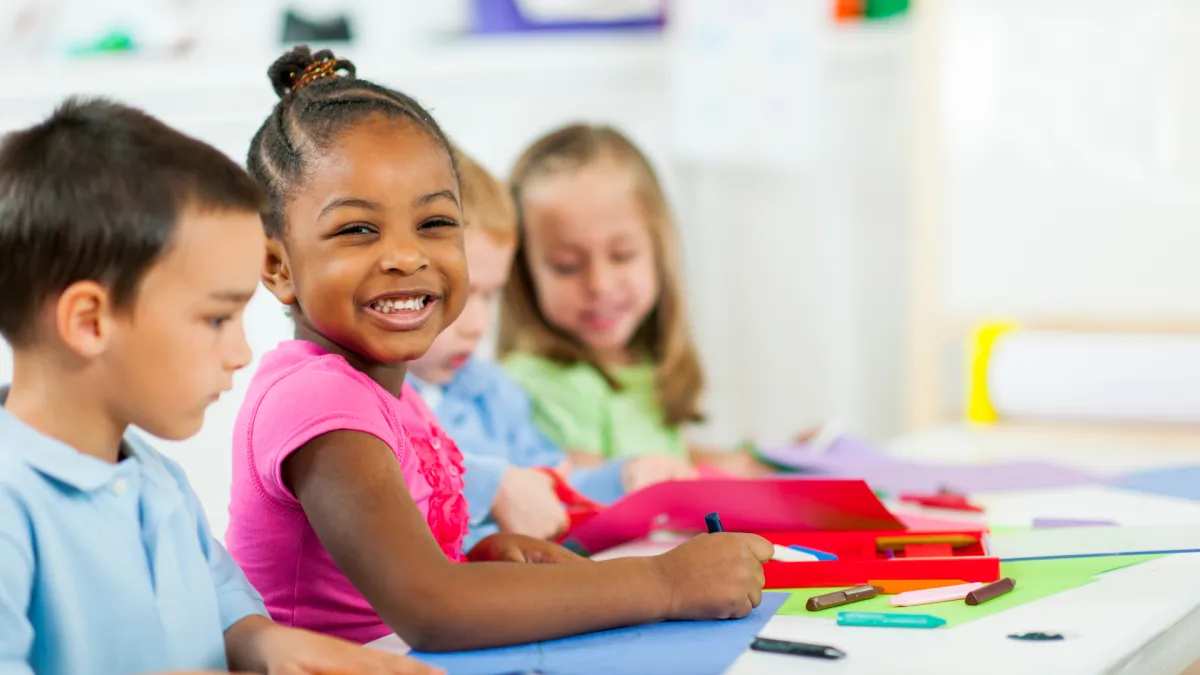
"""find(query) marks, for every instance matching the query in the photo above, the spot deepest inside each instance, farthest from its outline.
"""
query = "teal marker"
(889, 620)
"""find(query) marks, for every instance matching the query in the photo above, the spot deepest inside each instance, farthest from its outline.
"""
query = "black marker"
(796, 649)
(713, 521)
(1038, 636)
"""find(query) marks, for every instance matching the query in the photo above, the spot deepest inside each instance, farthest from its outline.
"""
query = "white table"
(1141, 620)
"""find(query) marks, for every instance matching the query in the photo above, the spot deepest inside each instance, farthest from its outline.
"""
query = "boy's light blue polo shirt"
(108, 569)
(489, 417)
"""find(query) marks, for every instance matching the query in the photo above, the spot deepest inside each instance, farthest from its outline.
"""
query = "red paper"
(766, 505)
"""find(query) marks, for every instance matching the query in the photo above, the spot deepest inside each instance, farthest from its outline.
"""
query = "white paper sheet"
(1125, 507)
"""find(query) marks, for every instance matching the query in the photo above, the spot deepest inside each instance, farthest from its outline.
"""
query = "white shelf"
(475, 57)
(577, 55)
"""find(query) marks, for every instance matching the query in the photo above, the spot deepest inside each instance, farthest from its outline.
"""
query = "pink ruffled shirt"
(299, 393)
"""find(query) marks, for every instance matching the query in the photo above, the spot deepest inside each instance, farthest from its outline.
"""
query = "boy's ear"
(83, 318)
(277, 274)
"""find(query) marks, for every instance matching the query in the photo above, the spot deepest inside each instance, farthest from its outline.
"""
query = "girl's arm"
(738, 463)
(584, 458)
(354, 495)
(743, 462)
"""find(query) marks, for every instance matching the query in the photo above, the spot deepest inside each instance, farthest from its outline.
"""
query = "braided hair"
(319, 97)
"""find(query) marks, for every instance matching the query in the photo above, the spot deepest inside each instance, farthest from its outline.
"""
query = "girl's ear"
(277, 272)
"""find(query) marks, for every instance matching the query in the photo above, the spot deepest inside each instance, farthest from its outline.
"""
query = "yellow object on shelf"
(978, 406)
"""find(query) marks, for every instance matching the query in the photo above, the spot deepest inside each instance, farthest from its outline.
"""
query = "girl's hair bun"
(300, 67)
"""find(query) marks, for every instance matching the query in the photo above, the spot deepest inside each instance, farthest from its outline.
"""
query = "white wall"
(1072, 158)
(796, 278)
(1060, 174)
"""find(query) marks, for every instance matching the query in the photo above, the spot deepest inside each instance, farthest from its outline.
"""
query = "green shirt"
(576, 408)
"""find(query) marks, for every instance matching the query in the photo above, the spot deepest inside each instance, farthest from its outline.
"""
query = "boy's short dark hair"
(94, 193)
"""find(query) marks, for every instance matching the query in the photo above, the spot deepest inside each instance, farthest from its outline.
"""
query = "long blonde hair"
(664, 334)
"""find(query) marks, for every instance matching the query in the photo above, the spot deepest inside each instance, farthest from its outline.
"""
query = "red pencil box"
(838, 516)
(860, 560)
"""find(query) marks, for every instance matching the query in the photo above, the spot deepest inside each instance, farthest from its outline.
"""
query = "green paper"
(1036, 579)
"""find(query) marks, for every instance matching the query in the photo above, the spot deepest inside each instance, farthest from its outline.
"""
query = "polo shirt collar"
(471, 381)
(57, 460)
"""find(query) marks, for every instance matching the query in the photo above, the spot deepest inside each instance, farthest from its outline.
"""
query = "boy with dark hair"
(128, 252)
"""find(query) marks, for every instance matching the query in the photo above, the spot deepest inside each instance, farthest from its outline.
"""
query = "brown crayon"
(839, 598)
(993, 590)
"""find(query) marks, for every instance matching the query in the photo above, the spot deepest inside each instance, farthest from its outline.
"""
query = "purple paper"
(850, 457)
(1062, 522)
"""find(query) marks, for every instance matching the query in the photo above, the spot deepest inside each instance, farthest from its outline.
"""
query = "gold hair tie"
(315, 71)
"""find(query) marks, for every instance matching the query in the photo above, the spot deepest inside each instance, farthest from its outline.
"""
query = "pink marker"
(928, 596)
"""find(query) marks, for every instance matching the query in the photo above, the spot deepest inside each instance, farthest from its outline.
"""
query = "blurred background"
(859, 184)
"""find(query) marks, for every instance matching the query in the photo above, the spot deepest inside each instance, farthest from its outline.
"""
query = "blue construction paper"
(1177, 481)
(670, 648)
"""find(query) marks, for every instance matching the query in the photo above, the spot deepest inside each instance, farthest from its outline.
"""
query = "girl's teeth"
(405, 305)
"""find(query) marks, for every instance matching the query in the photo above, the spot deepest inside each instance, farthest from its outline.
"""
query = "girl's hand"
(715, 576)
(806, 435)
(739, 464)
(505, 547)
(646, 471)
(260, 645)
(527, 504)
(584, 458)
